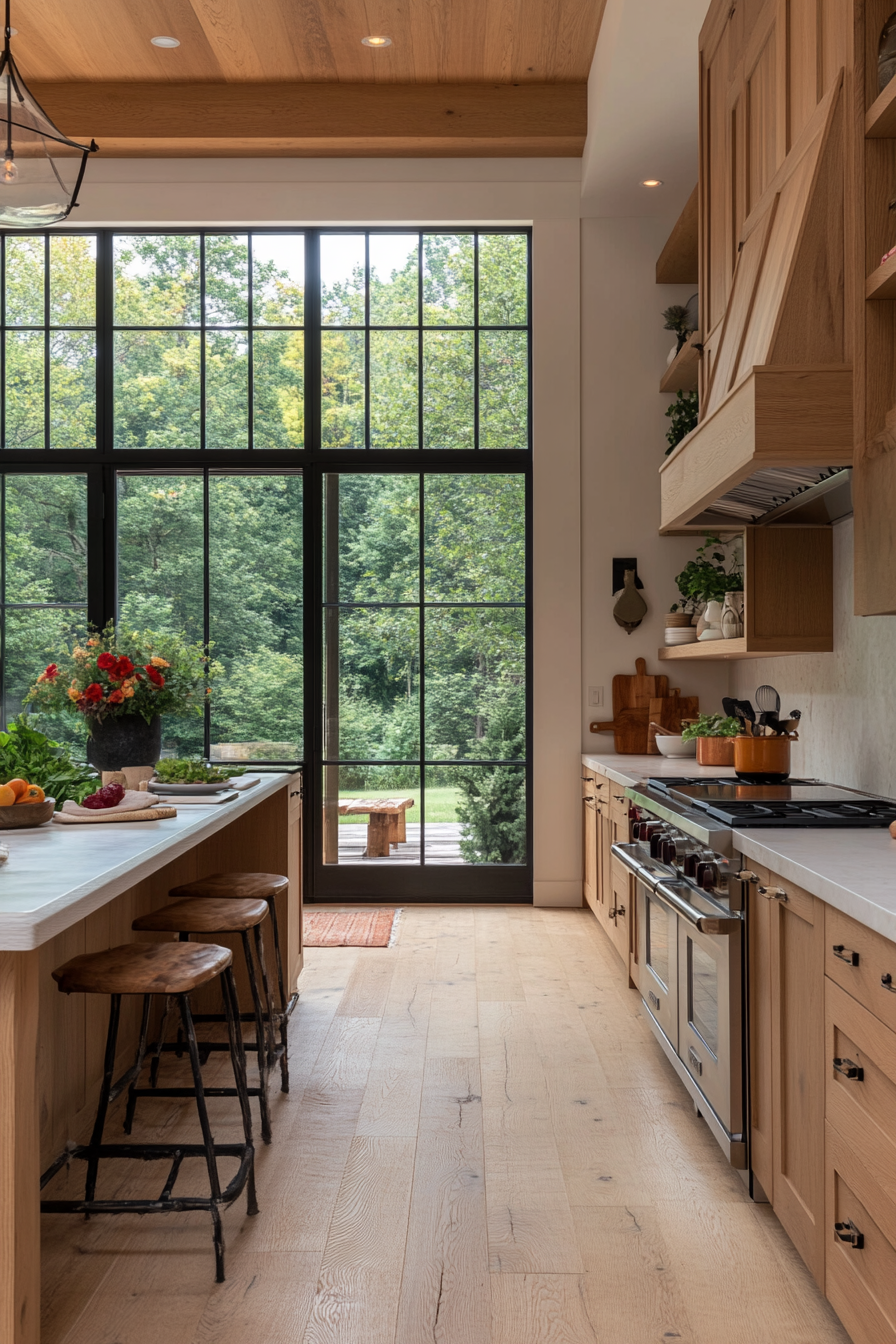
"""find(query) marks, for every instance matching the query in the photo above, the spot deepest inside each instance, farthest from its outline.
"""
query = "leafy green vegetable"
(27, 754)
(711, 725)
(194, 772)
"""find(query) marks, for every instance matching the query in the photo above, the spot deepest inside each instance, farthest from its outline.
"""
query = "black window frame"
(102, 464)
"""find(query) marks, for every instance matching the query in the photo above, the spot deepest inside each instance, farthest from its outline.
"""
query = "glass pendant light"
(40, 168)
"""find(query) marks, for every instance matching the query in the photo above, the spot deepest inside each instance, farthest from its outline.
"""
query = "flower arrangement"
(114, 673)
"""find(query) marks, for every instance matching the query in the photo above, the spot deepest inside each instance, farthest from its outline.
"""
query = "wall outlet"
(595, 695)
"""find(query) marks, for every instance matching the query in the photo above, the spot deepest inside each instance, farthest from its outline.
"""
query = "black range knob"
(667, 849)
(707, 875)
(690, 865)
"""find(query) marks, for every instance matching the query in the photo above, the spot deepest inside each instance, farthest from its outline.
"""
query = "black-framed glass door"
(186, 409)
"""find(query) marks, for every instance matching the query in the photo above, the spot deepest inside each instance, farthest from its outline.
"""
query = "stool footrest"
(191, 1092)
(151, 1152)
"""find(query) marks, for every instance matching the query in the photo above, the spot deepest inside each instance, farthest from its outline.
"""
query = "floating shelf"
(720, 650)
(678, 262)
(881, 284)
(681, 375)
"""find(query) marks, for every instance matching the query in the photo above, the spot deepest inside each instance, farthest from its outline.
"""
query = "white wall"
(848, 728)
(544, 193)
(624, 349)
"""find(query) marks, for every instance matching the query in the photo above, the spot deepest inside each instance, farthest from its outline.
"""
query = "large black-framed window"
(233, 363)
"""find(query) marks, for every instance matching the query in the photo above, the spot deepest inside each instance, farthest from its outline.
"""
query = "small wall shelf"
(681, 375)
(678, 262)
(881, 284)
(880, 119)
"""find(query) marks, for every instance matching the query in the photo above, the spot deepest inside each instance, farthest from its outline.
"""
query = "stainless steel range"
(691, 921)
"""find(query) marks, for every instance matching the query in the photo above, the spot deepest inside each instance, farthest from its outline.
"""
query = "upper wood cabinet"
(776, 381)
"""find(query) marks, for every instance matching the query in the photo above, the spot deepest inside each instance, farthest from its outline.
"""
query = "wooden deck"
(483, 1145)
(442, 844)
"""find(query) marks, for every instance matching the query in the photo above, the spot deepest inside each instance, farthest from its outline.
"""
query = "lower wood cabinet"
(590, 838)
(786, 949)
(607, 887)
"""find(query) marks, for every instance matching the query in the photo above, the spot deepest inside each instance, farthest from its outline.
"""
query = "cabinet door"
(590, 821)
(605, 891)
(798, 1071)
(619, 916)
(759, 969)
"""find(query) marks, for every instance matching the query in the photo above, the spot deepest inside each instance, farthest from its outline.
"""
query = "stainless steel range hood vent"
(792, 495)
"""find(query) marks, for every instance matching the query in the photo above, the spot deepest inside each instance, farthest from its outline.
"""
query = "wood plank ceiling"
(482, 77)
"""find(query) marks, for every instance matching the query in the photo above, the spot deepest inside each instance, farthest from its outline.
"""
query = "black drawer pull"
(886, 981)
(849, 1232)
(844, 954)
(849, 1069)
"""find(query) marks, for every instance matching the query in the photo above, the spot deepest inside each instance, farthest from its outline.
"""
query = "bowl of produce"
(669, 744)
(23, 804)
(191, 776)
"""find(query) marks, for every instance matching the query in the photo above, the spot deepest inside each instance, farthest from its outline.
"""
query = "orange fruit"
(33, 794)
(18, 786)
(7, 796)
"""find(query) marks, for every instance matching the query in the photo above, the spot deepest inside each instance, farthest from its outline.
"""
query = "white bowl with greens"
(670, 745)
(188, 776)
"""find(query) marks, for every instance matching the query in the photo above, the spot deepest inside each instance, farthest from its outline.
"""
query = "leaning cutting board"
(636, 692)
(669, 711)
(629, 729)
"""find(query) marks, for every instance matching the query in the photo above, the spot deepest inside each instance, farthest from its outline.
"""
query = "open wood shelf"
(678, 262)
(881, 284)
(880, 119)
(681, 375)
(722, 650)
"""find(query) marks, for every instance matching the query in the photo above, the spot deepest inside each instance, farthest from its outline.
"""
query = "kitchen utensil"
(788, 726)
(671, 744)
(110, 815)
(636, 692)
(661, 731)
(157, 786)
(629, 729)
(795, 714)
(729, 707)
(767, 698)
(21, 815)
(748, 713)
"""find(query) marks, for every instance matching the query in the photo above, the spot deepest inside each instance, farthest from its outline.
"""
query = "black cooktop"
(798, 803)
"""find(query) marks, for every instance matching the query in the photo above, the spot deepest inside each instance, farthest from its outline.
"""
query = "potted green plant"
(121, 683)
(683, 414)
(715, 736)
(717, 570)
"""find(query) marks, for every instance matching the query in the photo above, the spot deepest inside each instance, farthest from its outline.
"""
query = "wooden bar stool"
(253, 886)
(213, 917)
(175, 970)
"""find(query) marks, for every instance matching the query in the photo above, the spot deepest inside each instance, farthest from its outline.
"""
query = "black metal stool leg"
(260, 1040)
(138, 1064)
(238, 1063)
(281, 986)
(207, 1137)
(157, 1053)
(96, 1137)
(272, 1013)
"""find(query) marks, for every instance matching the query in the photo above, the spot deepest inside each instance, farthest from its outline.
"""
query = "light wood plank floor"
(483, 1145)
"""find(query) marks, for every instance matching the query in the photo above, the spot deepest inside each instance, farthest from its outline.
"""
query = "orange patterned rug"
(350, 928)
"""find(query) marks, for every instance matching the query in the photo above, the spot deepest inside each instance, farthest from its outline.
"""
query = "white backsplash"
(847, 698)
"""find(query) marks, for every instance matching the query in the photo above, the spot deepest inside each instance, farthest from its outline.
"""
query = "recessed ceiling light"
(651, 182)
(376, 41)
(165, 41)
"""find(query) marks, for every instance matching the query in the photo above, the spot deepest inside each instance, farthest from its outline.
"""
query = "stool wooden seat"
(202, 917)
(254, 886)
(214, 916)
(143, 968)
(175, 970)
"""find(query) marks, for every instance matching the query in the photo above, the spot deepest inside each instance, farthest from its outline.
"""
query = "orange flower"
(78, 652)
(116, 697)
(73, 693)
(92, 643)
(127, 692)
(159, 662)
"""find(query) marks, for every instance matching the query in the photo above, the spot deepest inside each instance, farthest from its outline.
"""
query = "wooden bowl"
(22, 815)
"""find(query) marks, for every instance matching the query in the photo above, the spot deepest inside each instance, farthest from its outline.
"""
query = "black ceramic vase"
(125, 740)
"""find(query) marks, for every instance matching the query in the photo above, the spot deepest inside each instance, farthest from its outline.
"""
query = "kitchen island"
(72, 889)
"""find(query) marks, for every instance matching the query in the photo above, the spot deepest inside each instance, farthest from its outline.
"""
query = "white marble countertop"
(57, 875)
(854, 871)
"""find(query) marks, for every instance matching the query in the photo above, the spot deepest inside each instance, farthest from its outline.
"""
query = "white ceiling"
(642, 108)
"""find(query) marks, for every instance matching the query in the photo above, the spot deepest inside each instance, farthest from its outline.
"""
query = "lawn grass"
(441, 804)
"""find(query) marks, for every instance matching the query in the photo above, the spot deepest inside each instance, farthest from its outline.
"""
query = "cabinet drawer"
(771, 887)
(587, 782)
(860, 1282)
(294, 796)
(860, 1089)
(619, 807)
(860, 960)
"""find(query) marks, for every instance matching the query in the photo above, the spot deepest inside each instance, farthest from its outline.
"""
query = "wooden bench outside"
(386, 821)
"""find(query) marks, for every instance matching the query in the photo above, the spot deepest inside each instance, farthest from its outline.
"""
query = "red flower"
(93, 692)
(116, 697)
(106, 662)
(52, 672)
(123, 668)
(154, 675)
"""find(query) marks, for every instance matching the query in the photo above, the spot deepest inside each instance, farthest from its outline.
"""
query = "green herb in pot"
(711, 725)
(194, 772)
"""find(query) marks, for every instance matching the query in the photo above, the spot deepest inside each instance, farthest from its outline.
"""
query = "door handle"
(696, 1061)
(773, 893)
(886, 982)
(850, 1233)
(746, 876)
(849, 1069)
(845, 954)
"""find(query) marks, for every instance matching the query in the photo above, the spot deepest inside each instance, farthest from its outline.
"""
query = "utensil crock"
(715, 750)
(762, 760)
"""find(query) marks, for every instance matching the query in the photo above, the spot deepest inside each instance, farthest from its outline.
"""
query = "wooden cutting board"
(636, 692)
(668, 711)
(106, 815)
(629, 729)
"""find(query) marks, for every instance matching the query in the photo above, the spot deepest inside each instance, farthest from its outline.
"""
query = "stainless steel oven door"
(709, 1018)
(658, 961)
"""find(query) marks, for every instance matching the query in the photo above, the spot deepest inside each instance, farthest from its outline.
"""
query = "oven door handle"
(723, 923)
(625, 856)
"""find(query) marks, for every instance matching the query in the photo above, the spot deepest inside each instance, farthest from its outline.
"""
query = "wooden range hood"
(776, 382)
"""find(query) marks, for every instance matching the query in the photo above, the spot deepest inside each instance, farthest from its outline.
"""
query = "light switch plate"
(595, 695)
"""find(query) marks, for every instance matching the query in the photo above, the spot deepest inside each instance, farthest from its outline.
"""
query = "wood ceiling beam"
(319, 119)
